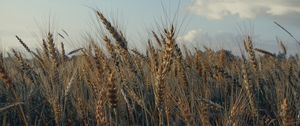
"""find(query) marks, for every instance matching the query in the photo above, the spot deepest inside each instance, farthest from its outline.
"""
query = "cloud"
(245, 9)
(191, 36)
(230, 41)
(197, 35)
(216, 40)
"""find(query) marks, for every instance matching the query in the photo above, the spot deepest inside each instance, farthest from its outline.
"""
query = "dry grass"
(167, 86)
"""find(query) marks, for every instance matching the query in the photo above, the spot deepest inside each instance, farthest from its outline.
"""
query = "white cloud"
(217, 40)
(229, 41)
(245, 9)
(191, 36)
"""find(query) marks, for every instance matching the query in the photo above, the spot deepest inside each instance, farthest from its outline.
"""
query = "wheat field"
(168, 85)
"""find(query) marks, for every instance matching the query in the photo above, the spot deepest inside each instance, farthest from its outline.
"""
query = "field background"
(105, 81)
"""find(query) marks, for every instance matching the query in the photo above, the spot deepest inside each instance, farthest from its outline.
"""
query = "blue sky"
(214, 23)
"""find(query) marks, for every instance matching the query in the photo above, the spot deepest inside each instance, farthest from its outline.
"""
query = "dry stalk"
(265, 52)
(249, 91)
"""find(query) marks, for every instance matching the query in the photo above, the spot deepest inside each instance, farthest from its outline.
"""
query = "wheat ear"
(116, 35)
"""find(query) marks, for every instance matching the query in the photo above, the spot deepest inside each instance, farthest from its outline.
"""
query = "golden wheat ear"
(113, 31)
(23, 44)
(28, 49)
(63, 52)
(100, 110)
(52, 49)
(112, 91)
(250, 50)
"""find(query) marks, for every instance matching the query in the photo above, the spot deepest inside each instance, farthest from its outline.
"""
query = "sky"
(212, 23)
